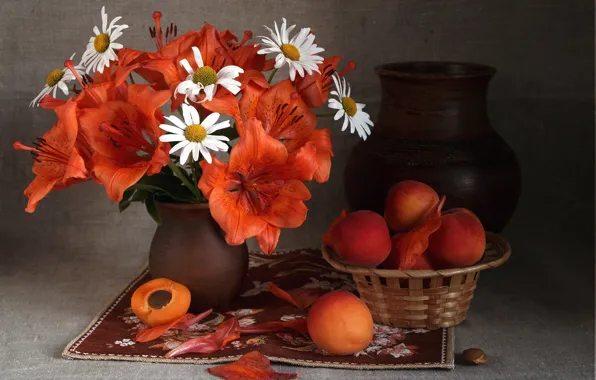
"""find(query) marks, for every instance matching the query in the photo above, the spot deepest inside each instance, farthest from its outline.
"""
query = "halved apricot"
(160, 301)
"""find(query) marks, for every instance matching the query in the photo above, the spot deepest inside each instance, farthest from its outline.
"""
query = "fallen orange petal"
(301, 298)
(413, 243)
(184, 322)
(225, 333)
(276, 326)
(251, 366)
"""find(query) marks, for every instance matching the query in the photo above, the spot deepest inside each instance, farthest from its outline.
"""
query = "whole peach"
(361, 238)
(459, 242)
(340, 323)
(407, 203)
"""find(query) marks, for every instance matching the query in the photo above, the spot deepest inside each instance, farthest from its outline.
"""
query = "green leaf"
(168, 185)
(153, 209)
(140, 196)
(126, 201)
(123, 205)
(128, 193)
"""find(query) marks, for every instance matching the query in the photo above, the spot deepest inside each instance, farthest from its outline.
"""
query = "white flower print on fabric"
(124, 342)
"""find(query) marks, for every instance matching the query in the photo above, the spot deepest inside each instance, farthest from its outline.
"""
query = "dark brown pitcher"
(433, 127)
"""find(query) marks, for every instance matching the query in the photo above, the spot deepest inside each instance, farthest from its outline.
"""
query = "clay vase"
(433, 127)
(189, 248)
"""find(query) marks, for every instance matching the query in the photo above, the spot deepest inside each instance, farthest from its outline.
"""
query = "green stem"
(272, 75)
(193, 169)
(326, 114)
(178, 172)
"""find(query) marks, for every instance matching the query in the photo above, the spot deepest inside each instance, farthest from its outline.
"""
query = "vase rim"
(433, 70)
(184, 206)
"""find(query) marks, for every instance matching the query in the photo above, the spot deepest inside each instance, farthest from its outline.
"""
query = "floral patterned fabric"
(111, 336)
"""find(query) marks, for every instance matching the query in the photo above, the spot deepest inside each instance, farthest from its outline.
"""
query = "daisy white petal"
(171, 129)
(218, 126)
(171, 138)
(229, 72)
(63, 87)
(220, 138)
(186, 152)
(215, 145)
(198, 56)
(210, 120)
(194, 114)
(345, 125)
(104, 19)
(188, 119)
(176, 121)
(339, 114)
(179, 146)
(195, 152)
(205, 153)
(209, 92)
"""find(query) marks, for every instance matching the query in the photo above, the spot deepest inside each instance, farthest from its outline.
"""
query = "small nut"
(475, 356)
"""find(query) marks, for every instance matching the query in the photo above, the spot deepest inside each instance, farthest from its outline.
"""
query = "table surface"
(533, 317)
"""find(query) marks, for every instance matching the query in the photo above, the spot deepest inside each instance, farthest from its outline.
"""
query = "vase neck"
(433, 109)
(182, 212)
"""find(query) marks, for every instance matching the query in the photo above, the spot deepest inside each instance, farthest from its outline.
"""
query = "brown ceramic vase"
(433, 127)
(189, 248)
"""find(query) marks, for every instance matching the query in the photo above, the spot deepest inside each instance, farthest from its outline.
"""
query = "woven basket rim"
(503, 247)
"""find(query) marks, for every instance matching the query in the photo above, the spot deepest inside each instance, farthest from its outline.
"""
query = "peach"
(461, 209)
(340, 323)
(361, 238)
(459, 242)
(407, 203)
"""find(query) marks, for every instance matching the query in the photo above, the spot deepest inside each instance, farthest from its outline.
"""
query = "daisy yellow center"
(195, 133)
(205, 75)
(290, 51)
(101, 42)
(54, 77)
(349, 105)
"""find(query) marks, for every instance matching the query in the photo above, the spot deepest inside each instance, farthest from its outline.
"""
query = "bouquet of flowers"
(115, 132)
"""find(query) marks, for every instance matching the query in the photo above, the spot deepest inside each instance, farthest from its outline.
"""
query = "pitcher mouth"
(433, 70)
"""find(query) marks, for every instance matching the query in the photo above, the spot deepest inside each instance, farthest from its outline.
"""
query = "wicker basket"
(429, 299)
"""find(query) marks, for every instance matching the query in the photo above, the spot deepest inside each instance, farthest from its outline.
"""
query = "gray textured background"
(534, 317)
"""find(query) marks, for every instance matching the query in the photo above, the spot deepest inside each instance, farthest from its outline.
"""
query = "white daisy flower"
(299, 52)
(346, 106)
(194, 136)
(100, 49)
(206, 79)
(57, 80)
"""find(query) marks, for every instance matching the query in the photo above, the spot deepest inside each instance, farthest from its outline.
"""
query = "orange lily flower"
(260, 190)
(287, 118)
(58, 161)
(314, 88)
(125, 137)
